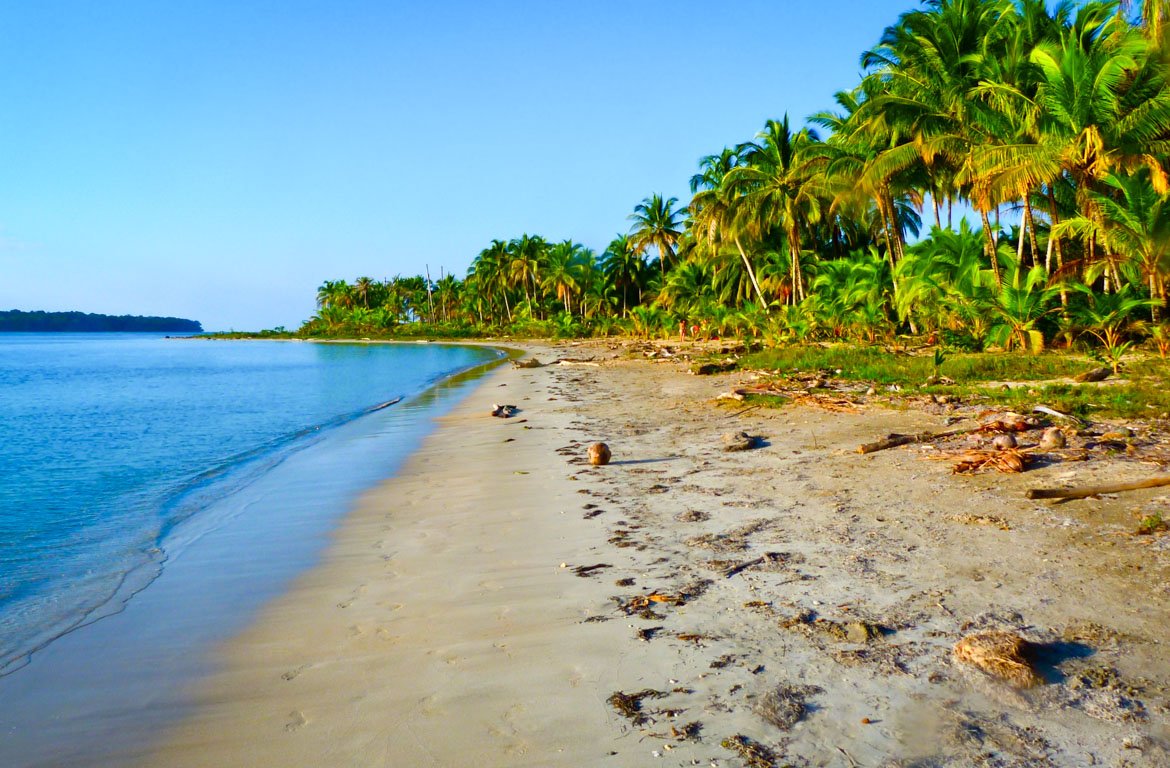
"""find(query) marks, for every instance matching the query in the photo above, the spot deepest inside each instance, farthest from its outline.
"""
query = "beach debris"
(1008, 461)
(1053, 439)
(894, 440)
(1001, 423)
(642, 602)
(386, 404)
(734, 540)
(647, 633)
(1001, 654)
(1084, 492)
(1097, 374)
(971, 519)
(853, 631)
(1051, 412)
(692, 637)
(1003, 442)
(504, 411)
(629, 705)
(753, 753)
(585, 571)
(774, 560)
(709, 369)
(599, 454)
(528, 362)
(1152, 524)
(741, 441)
(688, 732)
(785, 705)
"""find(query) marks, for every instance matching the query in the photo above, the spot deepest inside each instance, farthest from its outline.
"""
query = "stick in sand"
(1068, 494)
(893, 441)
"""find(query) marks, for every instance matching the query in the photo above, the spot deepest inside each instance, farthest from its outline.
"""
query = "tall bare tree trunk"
(1054, 242)
(1030, 223)
(751, 275)
(989, 246)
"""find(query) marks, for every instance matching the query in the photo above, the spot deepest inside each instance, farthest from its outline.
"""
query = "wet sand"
(797, 602)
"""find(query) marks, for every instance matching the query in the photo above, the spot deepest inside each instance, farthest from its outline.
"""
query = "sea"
(155, 492)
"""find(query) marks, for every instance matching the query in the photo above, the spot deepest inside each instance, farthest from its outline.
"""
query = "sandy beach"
(502, 603)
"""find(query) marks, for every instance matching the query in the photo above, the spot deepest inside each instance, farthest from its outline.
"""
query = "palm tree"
(335, 293)
(773, 190)
(625, 269)
(362, 288)
(564, 270)
(1132, 226)
(657, 224)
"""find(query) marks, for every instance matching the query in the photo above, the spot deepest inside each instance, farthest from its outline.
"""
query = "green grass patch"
(1143, 396)
(883, 367)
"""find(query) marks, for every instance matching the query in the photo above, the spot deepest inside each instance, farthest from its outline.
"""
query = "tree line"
(16, 320)
(1049, 123)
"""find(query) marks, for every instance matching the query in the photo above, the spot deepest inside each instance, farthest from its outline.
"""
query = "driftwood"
(1005, 423)
(1069, 494)
(530, 362)
(386, 404)
(895, 440)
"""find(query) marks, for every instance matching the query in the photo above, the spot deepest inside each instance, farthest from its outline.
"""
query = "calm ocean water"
(118, 450)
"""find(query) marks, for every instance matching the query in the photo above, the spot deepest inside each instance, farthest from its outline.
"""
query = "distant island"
(47, 322)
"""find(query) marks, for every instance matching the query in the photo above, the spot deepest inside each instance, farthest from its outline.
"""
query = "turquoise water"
(119, 450)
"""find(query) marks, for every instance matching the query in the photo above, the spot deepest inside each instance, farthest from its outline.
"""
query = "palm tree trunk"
(1020, 248)
(1054, 242)
(1030, 224)
(751, 275)
(989, 246)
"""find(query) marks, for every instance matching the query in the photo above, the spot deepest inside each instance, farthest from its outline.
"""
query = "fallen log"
(894, 440)
(1070, 494)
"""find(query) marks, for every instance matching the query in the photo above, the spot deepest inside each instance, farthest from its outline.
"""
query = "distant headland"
(16, 320)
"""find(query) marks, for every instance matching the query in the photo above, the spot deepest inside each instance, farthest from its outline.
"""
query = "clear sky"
(218, 160)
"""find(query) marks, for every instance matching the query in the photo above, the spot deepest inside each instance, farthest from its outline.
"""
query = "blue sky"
(219, 160)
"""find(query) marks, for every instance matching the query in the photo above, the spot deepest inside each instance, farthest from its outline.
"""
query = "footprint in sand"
(429, 706)
(293, 673)
(361, 590)
(296, 720)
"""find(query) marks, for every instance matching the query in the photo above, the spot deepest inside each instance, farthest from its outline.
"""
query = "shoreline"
(447, 625)
(420, 593)
(99, 693)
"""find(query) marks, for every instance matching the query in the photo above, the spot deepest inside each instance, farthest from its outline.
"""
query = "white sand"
(442, 630)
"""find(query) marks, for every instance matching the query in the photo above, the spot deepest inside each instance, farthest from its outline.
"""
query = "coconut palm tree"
(773, 190)
(658, 224)
(624, 267)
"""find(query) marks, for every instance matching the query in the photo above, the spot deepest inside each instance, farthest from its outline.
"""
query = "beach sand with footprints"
(501, 602)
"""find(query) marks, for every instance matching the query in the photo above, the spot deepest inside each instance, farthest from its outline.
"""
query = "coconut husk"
(1007, 461)
(1000, 654)
(741, 441)
(599, 454)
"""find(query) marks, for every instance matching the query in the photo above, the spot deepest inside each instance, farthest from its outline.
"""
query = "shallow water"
(155, 492)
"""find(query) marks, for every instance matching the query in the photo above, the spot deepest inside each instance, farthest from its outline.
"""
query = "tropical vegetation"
(1047, 123)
